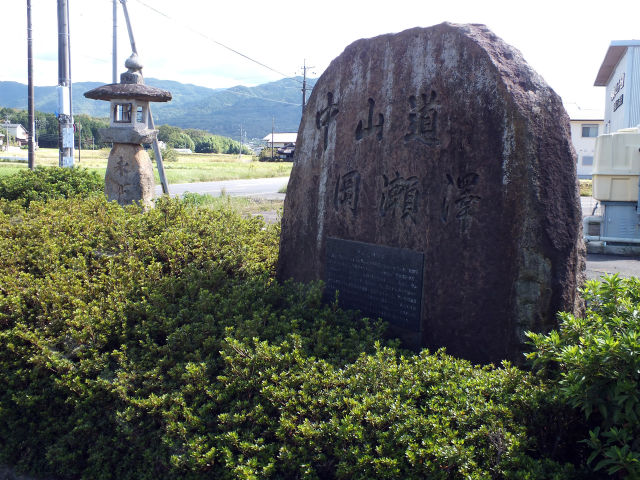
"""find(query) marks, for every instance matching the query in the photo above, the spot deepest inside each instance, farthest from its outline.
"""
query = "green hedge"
(595, 362)
(103, 309)
(158, 345)
(44, 183)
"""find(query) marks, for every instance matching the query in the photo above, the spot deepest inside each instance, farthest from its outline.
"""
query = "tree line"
(199, 141)
(46, 133)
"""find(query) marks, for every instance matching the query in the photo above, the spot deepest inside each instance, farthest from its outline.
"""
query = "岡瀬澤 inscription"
(379, 281)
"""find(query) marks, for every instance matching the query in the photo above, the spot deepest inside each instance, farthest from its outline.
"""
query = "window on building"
(140, 115)
(587, 160)
(589, 130)
(122, 113)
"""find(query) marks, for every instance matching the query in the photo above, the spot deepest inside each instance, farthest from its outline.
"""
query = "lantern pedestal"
(129, 177)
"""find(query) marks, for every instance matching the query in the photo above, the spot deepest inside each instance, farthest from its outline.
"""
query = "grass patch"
(586, 188)
(245, 206)
(202, 171)
(197, 167)
(10, 169)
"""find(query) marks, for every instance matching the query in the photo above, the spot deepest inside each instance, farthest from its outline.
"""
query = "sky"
(191, 41)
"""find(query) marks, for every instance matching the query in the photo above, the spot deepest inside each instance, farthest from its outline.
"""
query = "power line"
(214, 40)
(102, 60)
(261, 98)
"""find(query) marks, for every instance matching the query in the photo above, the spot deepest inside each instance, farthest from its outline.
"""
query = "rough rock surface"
(129, 177)
(444, 142)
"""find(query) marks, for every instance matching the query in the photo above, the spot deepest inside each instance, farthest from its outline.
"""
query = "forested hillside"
(218, 111)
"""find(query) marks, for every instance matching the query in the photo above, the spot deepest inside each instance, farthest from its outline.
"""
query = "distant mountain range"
(219, 111)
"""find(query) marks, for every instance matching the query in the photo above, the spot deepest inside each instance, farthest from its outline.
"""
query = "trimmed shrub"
(103, 308)
(286, 415)
(265, 155)
(168, 154)
(595, 361)
(158, 345)
(45, 183)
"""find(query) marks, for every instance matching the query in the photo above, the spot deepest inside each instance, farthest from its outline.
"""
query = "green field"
(195, 167)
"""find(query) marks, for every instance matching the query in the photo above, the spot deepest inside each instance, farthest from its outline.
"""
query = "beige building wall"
(586, 125)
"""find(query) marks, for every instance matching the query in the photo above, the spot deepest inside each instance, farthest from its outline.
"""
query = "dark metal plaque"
(379, 281)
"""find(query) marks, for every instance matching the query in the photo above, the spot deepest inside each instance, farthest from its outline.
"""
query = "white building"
(620, 74)
(17, 131)
(586, 125)
(280, 140)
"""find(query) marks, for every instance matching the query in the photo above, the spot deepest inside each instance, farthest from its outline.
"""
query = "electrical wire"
(229, 90)
(214, 40)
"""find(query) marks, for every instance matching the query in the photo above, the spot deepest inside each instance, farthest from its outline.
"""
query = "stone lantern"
(129, 176)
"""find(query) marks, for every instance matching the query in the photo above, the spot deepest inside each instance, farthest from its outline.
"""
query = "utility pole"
(79, 125)
(115, 42)
(65, 116)
(30, 106)
(240, 153)
(304, 83)
(6, 124)
(273, 121)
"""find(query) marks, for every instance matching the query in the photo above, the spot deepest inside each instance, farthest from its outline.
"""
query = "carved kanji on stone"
(464, 196)
(400, 195)
(347, 191)
(423, 118)
(325, 115)
(121, 166)
(363, 131)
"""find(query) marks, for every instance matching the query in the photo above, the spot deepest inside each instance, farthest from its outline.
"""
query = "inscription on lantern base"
(379, 281)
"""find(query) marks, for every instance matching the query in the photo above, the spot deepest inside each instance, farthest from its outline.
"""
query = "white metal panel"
(621, 221)
(67, 137)
(633, 87)
(616, 91)
(63, 101)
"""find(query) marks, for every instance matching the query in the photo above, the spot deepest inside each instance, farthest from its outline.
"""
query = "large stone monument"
(129, 175)
(434, 186)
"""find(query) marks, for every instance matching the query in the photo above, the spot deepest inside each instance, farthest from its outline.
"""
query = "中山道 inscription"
(379, 281)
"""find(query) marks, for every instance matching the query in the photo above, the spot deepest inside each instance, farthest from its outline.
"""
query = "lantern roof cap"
(131, 86)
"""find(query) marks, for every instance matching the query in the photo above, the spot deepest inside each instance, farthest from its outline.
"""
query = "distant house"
(16, 131)
(586, 125)
(287, 152)
(1, 139)
(280, 140)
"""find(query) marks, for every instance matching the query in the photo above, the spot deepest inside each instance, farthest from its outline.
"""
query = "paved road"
(597, 265)
(260, 187)
(590, 206)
